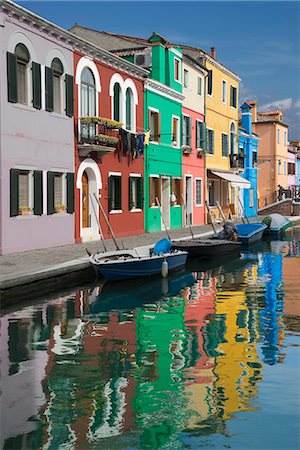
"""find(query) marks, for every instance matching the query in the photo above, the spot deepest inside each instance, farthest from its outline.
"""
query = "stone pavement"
(19, 269)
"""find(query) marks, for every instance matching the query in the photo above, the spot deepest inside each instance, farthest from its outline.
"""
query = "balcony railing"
(98, 134)
(237, 161)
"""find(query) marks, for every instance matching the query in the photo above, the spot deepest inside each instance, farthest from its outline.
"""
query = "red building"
(109, 126)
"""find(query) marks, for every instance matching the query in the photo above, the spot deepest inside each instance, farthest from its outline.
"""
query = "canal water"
(208, 358)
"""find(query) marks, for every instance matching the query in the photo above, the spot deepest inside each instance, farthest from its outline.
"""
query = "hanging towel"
(147, 137)
(140, 144)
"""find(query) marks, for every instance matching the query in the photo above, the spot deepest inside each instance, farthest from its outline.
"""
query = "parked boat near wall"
(248, 233)
(276, 223)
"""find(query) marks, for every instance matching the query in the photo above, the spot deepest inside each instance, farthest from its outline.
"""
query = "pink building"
(193, 140)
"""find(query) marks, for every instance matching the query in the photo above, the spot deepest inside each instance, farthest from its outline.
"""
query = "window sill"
(133, 210)
(26, 216)
(198, 205)
(25, 107)
(116, 211)
(154, 142)
(154, 206)
(58, 115)
(175, 206)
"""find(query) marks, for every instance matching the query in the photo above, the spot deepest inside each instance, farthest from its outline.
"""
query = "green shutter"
(38, 192)
(14, 192)
(116, 102)
(203, 135)
(188, 131)
(118, 192)
(70, 193)
(36, 85)
(50, 192)
(128, 110)
(49, 89)
(231, 96)
(110, 191)
(69, 95)
(130, 193)
(12, 88)
(140, 192)
(213, 141)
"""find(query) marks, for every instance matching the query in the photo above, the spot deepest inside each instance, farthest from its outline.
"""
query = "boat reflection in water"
(161, 362)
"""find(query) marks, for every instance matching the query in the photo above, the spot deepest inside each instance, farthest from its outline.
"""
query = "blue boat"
(139, 262)
(248, 233)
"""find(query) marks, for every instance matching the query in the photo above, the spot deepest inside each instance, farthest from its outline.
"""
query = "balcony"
(98, 134)
(237, 161)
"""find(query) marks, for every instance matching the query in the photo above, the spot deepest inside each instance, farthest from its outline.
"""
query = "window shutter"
(179, 200)
(213, 141)
(130, 193)
(140, 192)
(38, 192)
(234, 97)
(50, 192)
(231, 96)
(14, 192)
(116, 102)
(69, 95)
(209, 82)
(49, 88)
(36, 85)
(203, 140)
(188, 132)
(118, 193)
(12, 89)
(110, 191)
(70, 193)
(151, 191)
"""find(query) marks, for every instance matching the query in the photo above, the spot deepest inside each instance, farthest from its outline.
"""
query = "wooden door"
(85, 200)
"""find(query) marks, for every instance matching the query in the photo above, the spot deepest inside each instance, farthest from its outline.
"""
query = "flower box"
(24, 210)
(106, 123)
(103, 139)
(60, 208)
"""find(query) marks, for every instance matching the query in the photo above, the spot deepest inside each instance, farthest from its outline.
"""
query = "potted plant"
(59, 208)
(24, 210)
(110, 141)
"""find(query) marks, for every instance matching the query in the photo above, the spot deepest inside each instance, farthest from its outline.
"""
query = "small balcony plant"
(106, 123)
(24, 210)
(60, 208)
(109, 141)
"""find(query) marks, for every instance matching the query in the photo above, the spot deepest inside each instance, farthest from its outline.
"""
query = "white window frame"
(176, 144)
(115, 174)
(179, 80)
(30, 171)
(224, 92)
(135, 175)
(155, 110)
(186, 77)
(201, 180)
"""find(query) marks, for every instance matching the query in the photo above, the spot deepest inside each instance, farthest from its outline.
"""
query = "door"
(188, 201)
(85, 201)
(165, 201)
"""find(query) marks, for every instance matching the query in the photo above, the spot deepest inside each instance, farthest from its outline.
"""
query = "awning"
(235, 180)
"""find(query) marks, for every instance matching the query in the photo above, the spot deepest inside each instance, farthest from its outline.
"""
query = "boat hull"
(249, 233)
(207, 248)
(140, 267)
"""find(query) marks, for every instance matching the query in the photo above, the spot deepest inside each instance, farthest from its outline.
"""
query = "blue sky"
(258, 40)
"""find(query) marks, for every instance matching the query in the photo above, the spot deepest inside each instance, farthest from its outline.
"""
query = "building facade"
(37, 137)
(248, 147)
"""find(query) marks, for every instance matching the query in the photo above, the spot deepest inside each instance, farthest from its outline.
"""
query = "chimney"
(247, 117)
(253, 104)
(213, 52)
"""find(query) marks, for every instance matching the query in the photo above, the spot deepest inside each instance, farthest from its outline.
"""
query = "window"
(291, 169)
(199, 86)
(279, 165)
(129, 110)
(200, 135)
(88, 102)
(135, 192)
(232, 139)
(154, 125)
(284, 167)
(278, 136)
(176, 191)
(212, 192)
(209, 82)
(251, 198)
(285, 138)
(254, 157)
(26, 192)
(175, 132)
(115, 193)
(177, 69)
(186, 130)
(224, 91)
(60, 192)
(117, 102)
(198, 191)
(210, 142)
(23, 59)
(58, 71)
(233, 99)
(224, 144)
(154, 190)
(186, 78)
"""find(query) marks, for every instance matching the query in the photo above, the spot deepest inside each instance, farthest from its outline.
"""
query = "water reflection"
(146, 364)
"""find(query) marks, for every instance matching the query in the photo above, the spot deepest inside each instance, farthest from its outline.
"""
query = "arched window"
(88, 102)
(23, 58)
(117, 101)
(129, 109)
(58, 71)
(232, 138)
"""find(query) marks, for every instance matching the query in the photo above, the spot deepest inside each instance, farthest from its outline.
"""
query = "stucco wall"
(193, 100)
(33, 139)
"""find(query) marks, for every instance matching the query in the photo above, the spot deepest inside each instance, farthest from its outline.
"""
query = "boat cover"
(162, 246)
(275, 220)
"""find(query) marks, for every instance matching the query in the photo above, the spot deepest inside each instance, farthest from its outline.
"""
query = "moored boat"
(248, 233)
(207, 248)
(276, 223)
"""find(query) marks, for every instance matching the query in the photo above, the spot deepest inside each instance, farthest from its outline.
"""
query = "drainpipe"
(205, 174)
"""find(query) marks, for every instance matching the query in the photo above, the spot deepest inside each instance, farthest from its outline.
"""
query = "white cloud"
(297, 104)
(285, 104)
